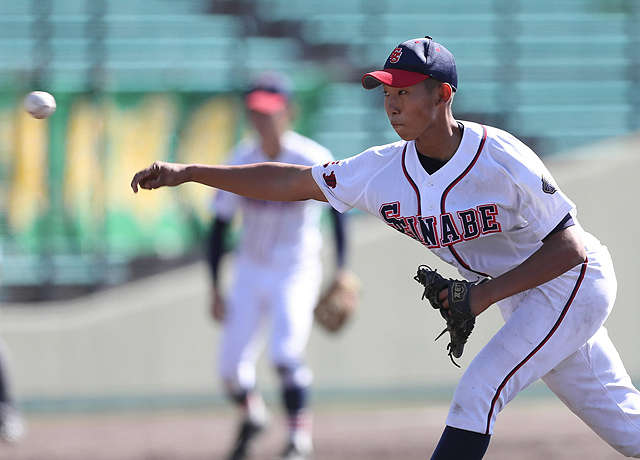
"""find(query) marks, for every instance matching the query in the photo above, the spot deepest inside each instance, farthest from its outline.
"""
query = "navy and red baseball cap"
(269, 93)
(414, 61)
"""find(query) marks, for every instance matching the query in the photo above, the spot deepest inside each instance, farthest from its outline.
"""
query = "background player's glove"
(338, 303)
(460, 320)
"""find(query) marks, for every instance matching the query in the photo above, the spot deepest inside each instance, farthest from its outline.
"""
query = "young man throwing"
(483, 202)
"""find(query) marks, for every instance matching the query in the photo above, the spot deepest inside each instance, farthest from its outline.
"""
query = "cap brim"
(392, 77)
(266, 102)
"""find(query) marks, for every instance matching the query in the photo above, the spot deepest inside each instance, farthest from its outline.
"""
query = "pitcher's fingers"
(152, 183)
(443, 296)
(136, 180)
(143, 177)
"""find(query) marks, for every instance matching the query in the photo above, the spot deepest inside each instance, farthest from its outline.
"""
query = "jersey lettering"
(429, 231)
(390, 213)
(473, 222)
(410, 228)
(469, 220)
(488, 213)
(450, 234)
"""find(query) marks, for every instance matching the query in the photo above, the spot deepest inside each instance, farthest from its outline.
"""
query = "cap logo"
(394, 57)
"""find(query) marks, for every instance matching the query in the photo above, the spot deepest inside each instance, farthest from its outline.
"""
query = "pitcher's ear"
(446, 91)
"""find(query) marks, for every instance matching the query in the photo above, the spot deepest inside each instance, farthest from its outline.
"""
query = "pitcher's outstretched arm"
(265, 181)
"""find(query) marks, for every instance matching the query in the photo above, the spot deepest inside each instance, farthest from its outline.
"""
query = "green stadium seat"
(113, 6)
(440, 26)
(558, 72)
(9, 8)
(562, 93)
(343, 118)
(567, 69)
(126, 26)
(346, 94)
(335, 28)
(558, 120)
(168, 7)
(346, 143)
(478, 97)
(264, 54)
(292, 10)
(612, 47)
(569, 6)
(67, 6)
(16, 53)
(15, 26)
(172, 26)
(442, 7)
(571, 25)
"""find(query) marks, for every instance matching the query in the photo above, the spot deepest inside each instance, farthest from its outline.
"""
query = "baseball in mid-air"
(39, 104)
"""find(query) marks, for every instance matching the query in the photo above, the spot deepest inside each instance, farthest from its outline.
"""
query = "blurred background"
(105, 294)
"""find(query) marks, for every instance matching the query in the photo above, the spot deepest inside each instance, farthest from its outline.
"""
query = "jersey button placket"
(430, 208)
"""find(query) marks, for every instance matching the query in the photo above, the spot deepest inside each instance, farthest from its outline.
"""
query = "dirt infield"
(526, 431)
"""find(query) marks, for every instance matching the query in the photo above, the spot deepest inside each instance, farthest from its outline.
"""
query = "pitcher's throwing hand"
(160, 174)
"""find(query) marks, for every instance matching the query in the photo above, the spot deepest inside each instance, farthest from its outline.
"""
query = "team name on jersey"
(445, 229)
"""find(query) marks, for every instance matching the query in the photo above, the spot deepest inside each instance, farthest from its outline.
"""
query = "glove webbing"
(434, 283)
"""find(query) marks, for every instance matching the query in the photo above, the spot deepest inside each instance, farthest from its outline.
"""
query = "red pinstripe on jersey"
(540, 345)
(453, 184)
(413, 184)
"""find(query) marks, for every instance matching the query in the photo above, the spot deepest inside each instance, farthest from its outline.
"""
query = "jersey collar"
(452, 168)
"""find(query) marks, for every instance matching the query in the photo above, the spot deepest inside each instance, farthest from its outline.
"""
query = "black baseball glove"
(460, 320)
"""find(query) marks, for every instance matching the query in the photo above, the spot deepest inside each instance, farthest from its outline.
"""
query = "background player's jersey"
(280, 233)
(485, 211)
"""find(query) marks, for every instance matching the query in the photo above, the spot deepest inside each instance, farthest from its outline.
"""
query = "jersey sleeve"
(344, 182)
(545, 205)
(541, 202)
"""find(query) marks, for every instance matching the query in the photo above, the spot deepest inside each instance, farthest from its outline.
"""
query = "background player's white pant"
(281, 299)
(565, 344)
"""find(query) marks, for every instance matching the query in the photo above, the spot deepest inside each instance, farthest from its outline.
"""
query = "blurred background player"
(12, 426)
(277, 273)
(11, 423)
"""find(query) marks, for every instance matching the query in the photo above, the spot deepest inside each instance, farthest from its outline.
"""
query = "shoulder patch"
(547, 187)
(330, 179)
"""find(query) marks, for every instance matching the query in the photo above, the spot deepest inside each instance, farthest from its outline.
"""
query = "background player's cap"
(268, 93)
(412, 62)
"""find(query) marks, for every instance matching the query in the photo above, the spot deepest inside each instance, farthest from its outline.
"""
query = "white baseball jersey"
(278, 233)
(277, 271)
(486, 211)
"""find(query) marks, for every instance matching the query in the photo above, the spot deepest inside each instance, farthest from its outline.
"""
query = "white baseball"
(40, 104)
